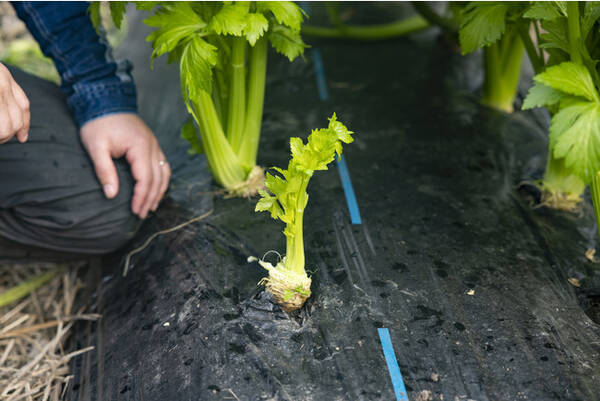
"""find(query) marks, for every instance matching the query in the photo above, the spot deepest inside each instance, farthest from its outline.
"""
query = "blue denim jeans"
(94, 83)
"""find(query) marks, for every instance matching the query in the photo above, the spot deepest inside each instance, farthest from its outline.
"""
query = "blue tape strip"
(341, 163)
(320, 75)
(348, 191)
(392, 364)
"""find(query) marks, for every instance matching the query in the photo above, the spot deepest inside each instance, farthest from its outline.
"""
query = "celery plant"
(567, 85)
(222, 51)
(288, 281)
(494, 26)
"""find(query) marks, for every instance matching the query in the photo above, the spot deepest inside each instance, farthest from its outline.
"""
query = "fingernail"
(109, 190)
(155, 207)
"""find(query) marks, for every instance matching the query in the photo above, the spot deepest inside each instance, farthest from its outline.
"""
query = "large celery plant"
(222, 51)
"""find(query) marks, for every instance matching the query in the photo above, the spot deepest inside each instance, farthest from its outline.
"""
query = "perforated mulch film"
(484, 295)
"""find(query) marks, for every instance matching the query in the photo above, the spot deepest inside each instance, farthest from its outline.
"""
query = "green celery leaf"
(197, 60)
(188, 132)
(562, 7)
(285, 12)
(542, 10)
(555, 35)
(319, 150)
(343, 134)
(94, 11)
(286, 41)
(575, 136)
(541, 95)
(321, 147)
(176, 23)
(230, 20)
(483, 23)
(591, 14)
(268, 203)
(571, 78)
(117, 11)
(256, 26)
(146, 5)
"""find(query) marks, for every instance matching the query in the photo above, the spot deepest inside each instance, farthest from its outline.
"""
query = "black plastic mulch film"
(470, 280)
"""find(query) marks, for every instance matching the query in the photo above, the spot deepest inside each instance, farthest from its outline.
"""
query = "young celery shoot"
(286, 201)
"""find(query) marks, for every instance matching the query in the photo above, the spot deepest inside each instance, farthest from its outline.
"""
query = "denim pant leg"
(49, 194)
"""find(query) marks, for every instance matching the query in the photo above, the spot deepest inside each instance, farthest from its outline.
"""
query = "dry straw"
(34, 365)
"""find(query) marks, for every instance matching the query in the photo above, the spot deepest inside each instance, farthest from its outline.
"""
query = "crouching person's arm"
(102, 96)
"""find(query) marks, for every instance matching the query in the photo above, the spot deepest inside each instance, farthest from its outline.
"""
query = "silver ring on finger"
(162, 163)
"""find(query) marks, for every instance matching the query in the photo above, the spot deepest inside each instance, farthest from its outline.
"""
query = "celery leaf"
(541, 95)
(188, 132)
(94, 11)
(230, 20)
(287, 186)
(285, 12)
(197, 59)
(268, 203)
(555, 35)
(483, 23)
(574, 79)
(146, 5)
(591, 14)
(117, 11)
(256, 26)
(176, 23)
(542, 10)
(575, 136)
(286, 41)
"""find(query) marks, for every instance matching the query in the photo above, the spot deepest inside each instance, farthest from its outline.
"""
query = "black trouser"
(49, 194)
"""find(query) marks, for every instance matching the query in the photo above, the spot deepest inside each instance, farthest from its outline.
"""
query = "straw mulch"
(34, 365)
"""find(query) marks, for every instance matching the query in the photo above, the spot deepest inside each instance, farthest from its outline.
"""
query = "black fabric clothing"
(49, 193)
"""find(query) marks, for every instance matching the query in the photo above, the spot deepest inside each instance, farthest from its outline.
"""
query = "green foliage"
(542, 10)
(197, 33)
(117, 11)
(195, 67)
(287, 41)
(221, 48)
(570, 78)
(483, 23)
(94, 11)
(287, 189)
(188, 132)
(575, 128)
(575, 136)
(541, 95)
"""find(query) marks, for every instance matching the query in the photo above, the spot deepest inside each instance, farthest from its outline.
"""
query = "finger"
(166, 177)
(20, 96)
(105, 170)
(16, 118)
(23, 133)
(23, 103)
(5, 121)
(154, 198)
(141, 169)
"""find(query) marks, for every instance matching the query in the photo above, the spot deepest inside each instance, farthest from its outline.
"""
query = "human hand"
(14, 109)
(125, 134)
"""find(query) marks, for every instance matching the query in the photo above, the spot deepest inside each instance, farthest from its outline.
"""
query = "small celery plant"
(288, 281)
(221, 48)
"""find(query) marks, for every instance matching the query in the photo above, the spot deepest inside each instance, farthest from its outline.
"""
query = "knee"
(100, 230)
